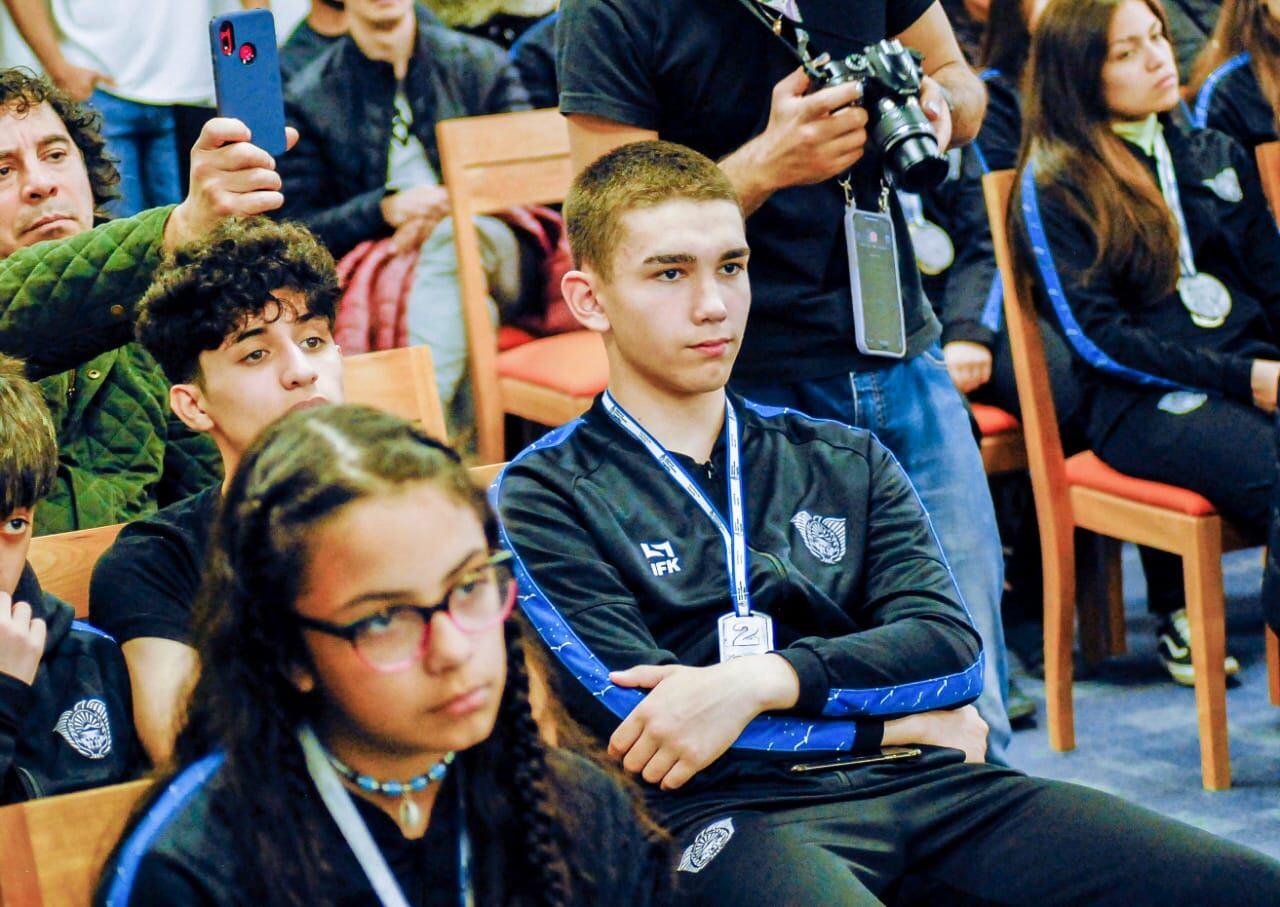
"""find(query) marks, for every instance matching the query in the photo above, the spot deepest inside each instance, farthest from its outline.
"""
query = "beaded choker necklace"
(410, 811)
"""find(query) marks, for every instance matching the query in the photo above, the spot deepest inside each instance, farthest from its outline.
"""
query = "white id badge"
(750, 635)
(879, 326)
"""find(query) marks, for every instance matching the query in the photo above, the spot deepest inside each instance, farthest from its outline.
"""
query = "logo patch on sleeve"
(824, 536)
(709, 842)
(661, 557)
(1226, 185)
(85, 727)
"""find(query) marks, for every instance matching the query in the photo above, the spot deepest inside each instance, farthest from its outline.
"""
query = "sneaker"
(1173, 645)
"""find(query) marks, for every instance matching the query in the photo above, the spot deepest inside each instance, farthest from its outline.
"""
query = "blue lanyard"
(338, 801)
(735, 539)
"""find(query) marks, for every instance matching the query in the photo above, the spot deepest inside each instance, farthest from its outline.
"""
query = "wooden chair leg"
(1059, 636)
(1202, 570)
(1116, 635)
(1091, 596)
(1273, 666)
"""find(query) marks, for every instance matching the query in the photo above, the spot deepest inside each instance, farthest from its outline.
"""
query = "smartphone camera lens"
(227, 39)
(248, 53)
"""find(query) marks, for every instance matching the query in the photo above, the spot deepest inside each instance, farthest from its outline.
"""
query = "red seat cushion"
(994, 421)
(1087, 470)
(572, 363)
(511, 337)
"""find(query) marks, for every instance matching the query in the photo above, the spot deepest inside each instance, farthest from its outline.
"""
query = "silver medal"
(745, 634)
(1204, 296)
(934, 250)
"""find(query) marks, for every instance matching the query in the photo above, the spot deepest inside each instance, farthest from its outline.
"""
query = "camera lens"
(917, 166)
(227, 39)
(248, 53)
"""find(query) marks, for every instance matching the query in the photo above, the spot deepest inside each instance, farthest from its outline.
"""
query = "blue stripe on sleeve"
(1086, 348)
(180, 790)
(1201, 114)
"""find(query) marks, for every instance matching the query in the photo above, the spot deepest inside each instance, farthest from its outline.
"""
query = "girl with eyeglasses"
(361, 729)
(1153, 252)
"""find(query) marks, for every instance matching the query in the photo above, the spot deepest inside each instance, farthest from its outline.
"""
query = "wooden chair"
(491, 163)
(64, 562)
(1084, 493)
(400, 381)
(1003, 448)
(51, 850)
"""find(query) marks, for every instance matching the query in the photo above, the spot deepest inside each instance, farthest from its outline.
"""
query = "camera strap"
(786, 12)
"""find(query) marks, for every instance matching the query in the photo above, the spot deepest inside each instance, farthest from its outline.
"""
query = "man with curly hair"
(242, 325)
(119, 453)
(65, 305)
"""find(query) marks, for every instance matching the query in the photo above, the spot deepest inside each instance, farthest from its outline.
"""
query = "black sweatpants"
(1224, 450)
(944, 832)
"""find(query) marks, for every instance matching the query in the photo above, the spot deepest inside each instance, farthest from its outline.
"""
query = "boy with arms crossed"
(740, 594)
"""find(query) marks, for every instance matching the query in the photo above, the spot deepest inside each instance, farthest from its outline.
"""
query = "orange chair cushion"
(511, 337)
(993, 421)
(572, 363)
(1087, 470)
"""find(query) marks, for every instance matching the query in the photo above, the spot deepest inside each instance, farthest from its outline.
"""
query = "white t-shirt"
(156, 50)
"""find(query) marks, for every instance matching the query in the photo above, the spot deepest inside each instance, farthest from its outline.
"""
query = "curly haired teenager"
(241, 323)
(353, 625)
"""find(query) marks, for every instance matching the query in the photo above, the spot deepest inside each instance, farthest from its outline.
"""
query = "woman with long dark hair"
(1237, 75)
(1156, 257)
(360, 731)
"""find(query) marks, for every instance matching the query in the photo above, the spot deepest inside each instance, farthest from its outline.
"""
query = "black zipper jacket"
(342, 105)
(72, 728)
(1230, 100)
(1129, 341)
(619, 567)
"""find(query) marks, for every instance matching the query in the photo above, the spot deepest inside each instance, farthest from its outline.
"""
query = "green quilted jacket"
(70, 305)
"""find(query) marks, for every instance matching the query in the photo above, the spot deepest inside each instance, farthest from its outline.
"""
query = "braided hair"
(301, 471)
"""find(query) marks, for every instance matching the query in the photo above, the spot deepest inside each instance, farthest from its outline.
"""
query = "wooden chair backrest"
(490, 163)
(400, 381)
(64, 562)
(51, 850)
(1268, 154)
(1039, 419)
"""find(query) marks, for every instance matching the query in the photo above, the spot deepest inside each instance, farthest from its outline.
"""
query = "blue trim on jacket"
(993, 310)
(1201, 114)
(86, 627)
(180, 790)
(833, 731)
(1086, 348)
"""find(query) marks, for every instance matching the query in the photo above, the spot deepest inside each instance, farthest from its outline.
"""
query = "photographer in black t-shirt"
(708, 75)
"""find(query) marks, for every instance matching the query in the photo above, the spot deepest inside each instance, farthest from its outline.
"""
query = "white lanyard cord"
(1168, 179)
(735, 535)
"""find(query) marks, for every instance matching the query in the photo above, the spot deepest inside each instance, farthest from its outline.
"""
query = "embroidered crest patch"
(1226, 185)
(824, 536)
(709, 842)
(86, 728)
(1179, 403)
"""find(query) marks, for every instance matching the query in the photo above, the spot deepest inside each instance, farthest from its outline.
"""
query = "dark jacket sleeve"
(309, 191)
(919, 650)
(163, 879)
(970, 305)
(92, 281)
(1095, 319)
(16, 699)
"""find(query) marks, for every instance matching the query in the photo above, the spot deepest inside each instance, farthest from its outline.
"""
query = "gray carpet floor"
(1136, 732)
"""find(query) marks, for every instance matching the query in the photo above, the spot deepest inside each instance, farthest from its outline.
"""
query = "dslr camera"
(899, 131)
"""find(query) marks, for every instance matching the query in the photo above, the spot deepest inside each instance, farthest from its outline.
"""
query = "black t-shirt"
(146, 583)
(701, 73)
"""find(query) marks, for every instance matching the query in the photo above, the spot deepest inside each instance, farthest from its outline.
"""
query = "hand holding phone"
(246, 75)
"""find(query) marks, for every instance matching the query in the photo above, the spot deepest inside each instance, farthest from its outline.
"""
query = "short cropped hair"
(21, 91)
(638, 175)
(28, 442)
(209, 289)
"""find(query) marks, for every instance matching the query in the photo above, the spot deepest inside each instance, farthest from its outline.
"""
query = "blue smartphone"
(246, 74)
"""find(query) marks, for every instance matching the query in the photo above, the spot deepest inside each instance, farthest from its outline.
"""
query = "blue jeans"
(915, 410)
(141, 138)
